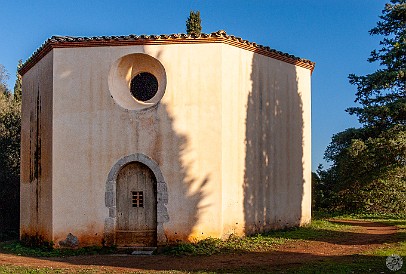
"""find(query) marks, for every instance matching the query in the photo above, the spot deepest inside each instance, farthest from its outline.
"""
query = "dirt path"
(366, 236)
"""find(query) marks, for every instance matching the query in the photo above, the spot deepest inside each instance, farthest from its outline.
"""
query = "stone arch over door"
(111, 192)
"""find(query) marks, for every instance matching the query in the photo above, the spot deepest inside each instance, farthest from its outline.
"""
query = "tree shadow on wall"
(156, 137)
(273, 178)
(152, 132)
(185, 190)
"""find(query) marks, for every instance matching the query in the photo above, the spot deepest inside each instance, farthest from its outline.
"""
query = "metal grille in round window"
(144, 86)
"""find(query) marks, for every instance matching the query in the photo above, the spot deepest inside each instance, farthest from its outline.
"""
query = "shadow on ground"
(326, 251)
(365, 235)
(265, 262)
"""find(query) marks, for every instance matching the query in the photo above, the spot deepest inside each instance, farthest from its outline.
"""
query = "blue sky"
(332, 33)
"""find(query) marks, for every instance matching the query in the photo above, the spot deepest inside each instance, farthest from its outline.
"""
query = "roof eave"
(215, 37)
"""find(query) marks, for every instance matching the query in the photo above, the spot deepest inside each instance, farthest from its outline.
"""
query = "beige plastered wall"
(182, 134)
(266, 143)
(36, 151)
(231, 136)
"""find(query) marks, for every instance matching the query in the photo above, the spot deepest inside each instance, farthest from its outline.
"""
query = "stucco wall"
(236, 86)
(266, 143)
(92, 132)
(231, 137)
(36, 151)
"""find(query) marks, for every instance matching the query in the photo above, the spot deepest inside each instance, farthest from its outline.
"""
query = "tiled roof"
(215, 37)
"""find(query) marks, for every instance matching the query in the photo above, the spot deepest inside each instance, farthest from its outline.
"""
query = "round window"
(137, 81)
(144, 86)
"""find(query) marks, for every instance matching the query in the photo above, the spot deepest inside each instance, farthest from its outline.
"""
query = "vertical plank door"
(136, 206)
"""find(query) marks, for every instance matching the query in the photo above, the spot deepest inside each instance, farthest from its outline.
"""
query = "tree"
(369, 163)
(10, 126)
(3, 80)
(382, 94)
(18, 83)
(193, 23)
(368, 171)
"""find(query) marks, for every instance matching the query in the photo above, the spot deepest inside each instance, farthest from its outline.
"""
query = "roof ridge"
(58, 41)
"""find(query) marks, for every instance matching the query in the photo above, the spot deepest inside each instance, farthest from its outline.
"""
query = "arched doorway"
(110, 223)
(136, 198)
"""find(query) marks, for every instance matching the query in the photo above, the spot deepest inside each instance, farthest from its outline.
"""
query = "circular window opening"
(144, 86)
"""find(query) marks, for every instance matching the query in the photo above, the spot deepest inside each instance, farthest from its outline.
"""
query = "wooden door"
(136, 206)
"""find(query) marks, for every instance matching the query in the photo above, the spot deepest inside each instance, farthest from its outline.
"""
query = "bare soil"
(366, 236)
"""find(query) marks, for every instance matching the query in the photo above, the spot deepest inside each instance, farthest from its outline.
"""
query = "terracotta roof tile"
(215, 37)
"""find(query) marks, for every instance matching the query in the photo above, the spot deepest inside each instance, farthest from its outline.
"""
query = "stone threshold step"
(137, 250)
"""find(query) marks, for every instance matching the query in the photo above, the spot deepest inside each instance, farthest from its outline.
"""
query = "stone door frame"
(110, 197)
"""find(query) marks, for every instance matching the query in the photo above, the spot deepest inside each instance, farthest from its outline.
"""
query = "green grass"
(321, 229)
(399, 247)
(317, 230)
(42, 270)
(373, 217)
(9, 235)
(233, 244)
(398, 220)
(15, 247)
(341, 265)
(11, 269)
(346, 264)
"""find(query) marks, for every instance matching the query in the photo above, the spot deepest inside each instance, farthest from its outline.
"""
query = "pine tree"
(193, 23)
(369, 163)
(382, 94)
